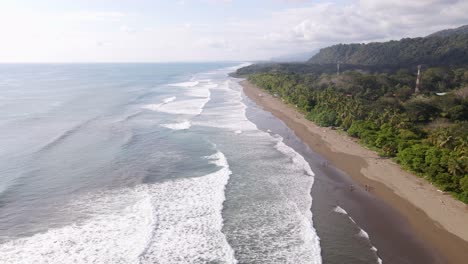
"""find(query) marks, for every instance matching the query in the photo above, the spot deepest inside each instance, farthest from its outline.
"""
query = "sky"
(208, 30)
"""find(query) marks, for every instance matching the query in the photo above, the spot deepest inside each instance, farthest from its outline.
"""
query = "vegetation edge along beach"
(423, 128)
(438, 219)
(402, 107)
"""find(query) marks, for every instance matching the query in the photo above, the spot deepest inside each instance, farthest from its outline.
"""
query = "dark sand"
(401, 231)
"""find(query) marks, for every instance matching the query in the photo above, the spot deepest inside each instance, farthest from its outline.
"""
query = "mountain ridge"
(450, 31)
(446, 47)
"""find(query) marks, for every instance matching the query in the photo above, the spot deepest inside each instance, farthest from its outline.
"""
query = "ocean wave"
(65, 135)
(203, 80)
(379, 260)
(170, 99)
(201, 91)
(113, 238)
(310, 237)
(291, 210)
(155, 107)
(340, 210)
(231, 114)
(296, 157)
(185, 84)
(178, 126)
(131, 116)
(190, 223)
(181, 107)
(362, 233)
(176, 221)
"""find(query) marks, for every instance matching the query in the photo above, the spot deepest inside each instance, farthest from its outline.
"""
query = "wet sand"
(408, 219)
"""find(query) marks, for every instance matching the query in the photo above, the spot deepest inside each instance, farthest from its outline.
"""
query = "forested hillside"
(449, 47)
(308, 68)
(449, 32)
(426, 133)
(374, 99)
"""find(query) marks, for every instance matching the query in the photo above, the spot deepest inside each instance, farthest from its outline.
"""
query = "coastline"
(436, 218)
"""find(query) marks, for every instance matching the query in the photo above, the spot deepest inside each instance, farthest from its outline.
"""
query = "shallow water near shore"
(162, 163)
(391, 236)
(342, 240)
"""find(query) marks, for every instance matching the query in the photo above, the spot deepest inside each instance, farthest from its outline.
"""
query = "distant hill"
(463, 30)
(317, 69)
(295, 57)
(447, 47)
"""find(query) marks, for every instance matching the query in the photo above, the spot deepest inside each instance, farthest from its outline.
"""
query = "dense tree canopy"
(426, 133)
(433, 50)
(373, 98)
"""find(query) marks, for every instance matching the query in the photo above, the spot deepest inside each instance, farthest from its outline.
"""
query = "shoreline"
(437, 219)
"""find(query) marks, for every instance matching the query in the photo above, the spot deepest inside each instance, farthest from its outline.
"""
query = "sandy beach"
(437, 218)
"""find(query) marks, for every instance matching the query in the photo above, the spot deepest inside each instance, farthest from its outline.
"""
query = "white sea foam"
(176, 221)
(379, 260)
(155, 107)
(119, 237)
(189, 106)
(202, 91)
(363, 234)
(295, 205)
(178, 126)
(302, 203)
(185, 84)
(204, 80)
(170, 99)
(340, 210)
(152, 107)
(189, 219)
(231, 113)
(183, 107)
(296, 157)
(211, 85)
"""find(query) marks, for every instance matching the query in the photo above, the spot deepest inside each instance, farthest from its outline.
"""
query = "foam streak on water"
(178, 126)
(185, 84)
(196, 97)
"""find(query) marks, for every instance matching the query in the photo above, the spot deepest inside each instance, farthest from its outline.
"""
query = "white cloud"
(213, 43)
(95, 16)
(127, 29)
(323, 24)
(81, 36)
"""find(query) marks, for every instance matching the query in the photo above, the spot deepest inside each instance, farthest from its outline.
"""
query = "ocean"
(155, 163)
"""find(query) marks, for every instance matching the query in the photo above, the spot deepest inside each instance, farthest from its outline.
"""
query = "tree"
(413, 157)
(421, 111)
(435, 150)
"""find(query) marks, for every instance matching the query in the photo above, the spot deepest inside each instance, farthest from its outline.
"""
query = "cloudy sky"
(207, 30)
